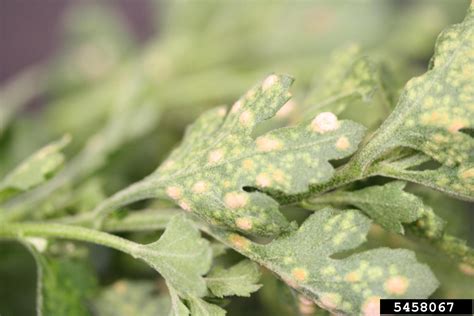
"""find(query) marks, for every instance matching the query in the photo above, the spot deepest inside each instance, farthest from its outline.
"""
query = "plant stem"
(149, 219)
(20, 230)
(144, 189)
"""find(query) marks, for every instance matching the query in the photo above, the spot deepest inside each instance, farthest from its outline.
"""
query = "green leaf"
(348, 76)
(432, 115)
(200, 307)
(126, 297)
(35, 170)
(239, 279)
(64, 284)
(388, 204)
(181, 256)
(433, 228)
(221, 173)
(348, 286)
(177, 306)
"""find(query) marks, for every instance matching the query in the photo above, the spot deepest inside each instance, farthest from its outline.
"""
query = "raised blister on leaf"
(348, 77)
(388, 204)
(433, 115)
(348, 286)
(221, 173)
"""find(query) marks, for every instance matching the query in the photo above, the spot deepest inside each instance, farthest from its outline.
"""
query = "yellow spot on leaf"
(456, 125)
(325, 122)
(244, 223)
(269, 82)
(200, 187)
(266, 144)
(263, 180)
(343, 143)
(352, 277)
(234, 200)
(300, 274)
(236, 107)
(467, 174)
(239, 242)
(247, 164)
(246, 118)
(396, 285)
(278, 176)
(371, 306)
(185, 206)
(173, 192)
(215, 156)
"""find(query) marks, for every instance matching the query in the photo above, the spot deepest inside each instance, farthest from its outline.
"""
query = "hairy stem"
(138, 191)
(149, 219)
(51, 230)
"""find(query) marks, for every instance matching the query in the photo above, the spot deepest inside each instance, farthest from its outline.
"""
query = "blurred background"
(30, 31)
(125, 77)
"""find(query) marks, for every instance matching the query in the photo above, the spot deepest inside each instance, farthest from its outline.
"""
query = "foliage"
(318, 194)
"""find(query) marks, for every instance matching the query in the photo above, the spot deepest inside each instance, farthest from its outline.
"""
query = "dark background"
(29, 29)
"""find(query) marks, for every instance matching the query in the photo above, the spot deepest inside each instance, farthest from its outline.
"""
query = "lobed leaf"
(348, 76)
(433, 115)
(239, 279)
(221, 173)
(388, 204)
(352, 285)
(35, 170)
(177, 306)
(181, 256)
(200, 307)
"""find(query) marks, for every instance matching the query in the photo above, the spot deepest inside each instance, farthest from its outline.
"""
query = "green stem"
(150, 219)
(21, 230)
(138, 191)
